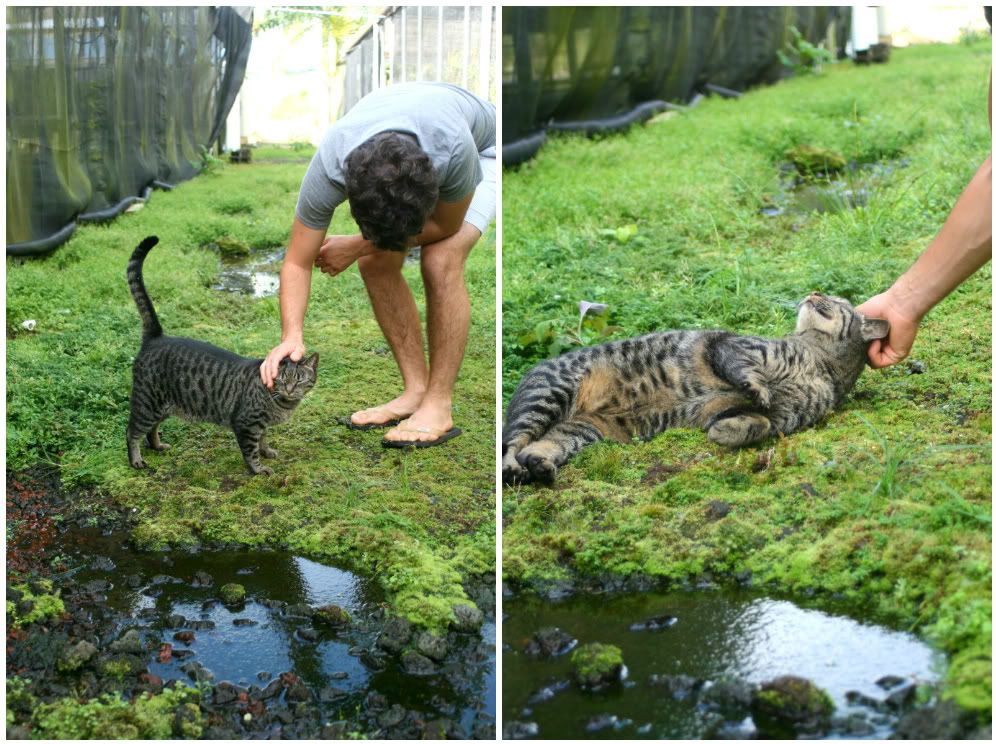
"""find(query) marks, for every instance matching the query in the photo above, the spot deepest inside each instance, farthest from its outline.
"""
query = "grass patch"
(422, 522)
(888, 501)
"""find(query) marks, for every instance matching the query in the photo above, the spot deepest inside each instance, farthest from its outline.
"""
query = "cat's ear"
(311, 362)
(872, 328)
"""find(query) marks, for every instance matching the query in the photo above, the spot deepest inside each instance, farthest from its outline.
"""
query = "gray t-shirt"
(452, 126)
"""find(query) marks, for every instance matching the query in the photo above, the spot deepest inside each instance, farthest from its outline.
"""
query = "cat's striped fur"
(198, 381)
(740, 389)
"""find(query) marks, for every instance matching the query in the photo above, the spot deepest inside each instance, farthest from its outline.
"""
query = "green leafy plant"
(802, 56)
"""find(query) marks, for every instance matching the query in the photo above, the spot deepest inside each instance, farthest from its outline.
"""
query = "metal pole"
(484, 56)
(466, 45)
(439, 42)
(418, 43)
(404, 42)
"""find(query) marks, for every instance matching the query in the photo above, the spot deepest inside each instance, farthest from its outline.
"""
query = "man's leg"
(447, 321)
(396, 313)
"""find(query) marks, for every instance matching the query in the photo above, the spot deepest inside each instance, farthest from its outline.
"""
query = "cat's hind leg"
(142, 423)
(153, 440)
(542, 457)
(266, 450)
(249, 438)
(739, 430)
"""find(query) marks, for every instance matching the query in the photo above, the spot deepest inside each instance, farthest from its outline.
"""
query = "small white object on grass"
(29, 325)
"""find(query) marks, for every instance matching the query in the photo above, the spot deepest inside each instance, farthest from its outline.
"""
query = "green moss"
(595, 664)
(793, 700)
(814, 161)
(332, 615)
(232, 593)
(232, 247)
(110, 717)
(888, 501)
(45, 604)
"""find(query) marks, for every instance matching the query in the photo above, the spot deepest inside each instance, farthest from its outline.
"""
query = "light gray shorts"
(485, 201)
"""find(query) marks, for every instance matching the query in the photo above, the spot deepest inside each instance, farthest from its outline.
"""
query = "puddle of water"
(719, 634)
(148, 588)
(257, 275)
(851, 189)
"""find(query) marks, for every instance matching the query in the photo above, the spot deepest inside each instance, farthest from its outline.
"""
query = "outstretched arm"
(963, 245)
(295, 288)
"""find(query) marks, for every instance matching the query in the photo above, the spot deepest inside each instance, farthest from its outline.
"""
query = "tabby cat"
(739, 389)
(198, 381)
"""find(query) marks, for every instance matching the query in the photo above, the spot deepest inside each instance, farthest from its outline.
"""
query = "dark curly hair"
(391, 187)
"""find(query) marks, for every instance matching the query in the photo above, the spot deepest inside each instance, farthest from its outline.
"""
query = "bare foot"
(394, 410)
(433, 417)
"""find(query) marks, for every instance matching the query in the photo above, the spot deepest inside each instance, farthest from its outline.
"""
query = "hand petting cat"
(338, 252)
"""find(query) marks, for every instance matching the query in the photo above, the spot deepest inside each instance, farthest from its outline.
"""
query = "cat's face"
(836, 317)
(295, 379)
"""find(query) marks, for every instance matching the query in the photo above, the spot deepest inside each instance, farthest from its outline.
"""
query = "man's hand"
(903, 326)
(271, 365)
(338, 252)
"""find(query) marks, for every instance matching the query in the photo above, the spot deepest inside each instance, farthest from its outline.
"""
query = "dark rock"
(676, 686)
(176, 621)
(442, 728)
(298, 693)
(791, 701)
(852, 725)
(545, 694)
(395, 635)
(335, 730)
(372, 661)
(184, 636)
(153, 681)
(716, 510)
(732, 697)
(744, 578)
(160, 579)
(264, 676)
(467, 619)
(416, 664)
(890, 681)
(75, 657)
(901, 697)
(307, 634)
(197, 671)
(431, 645)
(600, 722)
(18, 732)
(247, 571)
(375, 702)
(854, 697)
(743, 729)
(97, 586)
(202, 624)
(298, 610)
(550, 642)
(224, 693)
(915, 367)
(267, 692)
(202, 579)
(942, 721)
(102, 563)
(555, 591)
(272, 604)
(182, 653)
(657, 622)
(339, 675)
(392, 716)
(129, 643)
(331, 695)
(519, 730)
(243, 622)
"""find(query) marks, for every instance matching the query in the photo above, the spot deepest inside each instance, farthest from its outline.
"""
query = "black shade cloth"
(572, 64)
(103, 102)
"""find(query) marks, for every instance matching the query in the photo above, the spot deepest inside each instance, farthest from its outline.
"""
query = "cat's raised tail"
(150, 321)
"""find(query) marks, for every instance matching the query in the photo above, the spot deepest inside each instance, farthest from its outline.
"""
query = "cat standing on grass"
(198, 381)
(740, 389)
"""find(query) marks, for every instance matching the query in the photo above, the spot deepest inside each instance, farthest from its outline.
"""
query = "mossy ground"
(888, 501)
(422, 521)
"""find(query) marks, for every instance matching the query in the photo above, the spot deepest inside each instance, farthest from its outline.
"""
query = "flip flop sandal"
(348, 421)
(441, 436)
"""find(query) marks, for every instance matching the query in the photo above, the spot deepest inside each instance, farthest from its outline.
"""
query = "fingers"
(297, 353)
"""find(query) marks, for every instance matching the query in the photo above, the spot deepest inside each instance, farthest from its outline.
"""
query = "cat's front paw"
(262, 470)
(269, 453)
(541, 469)
(161, 447)
(138, 463)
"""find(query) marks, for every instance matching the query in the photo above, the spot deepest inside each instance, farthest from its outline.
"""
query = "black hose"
(514, 153)
(42, 245)
(639, 113)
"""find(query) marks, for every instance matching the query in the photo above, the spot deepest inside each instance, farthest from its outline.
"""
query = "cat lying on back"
(740, 389)
(198, 381)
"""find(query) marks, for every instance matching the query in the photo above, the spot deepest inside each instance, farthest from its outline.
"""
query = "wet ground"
(694, 668)
(161, 618)
(257, 274)
(855, 186)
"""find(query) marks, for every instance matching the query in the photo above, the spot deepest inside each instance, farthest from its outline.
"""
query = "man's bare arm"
(295, 289)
